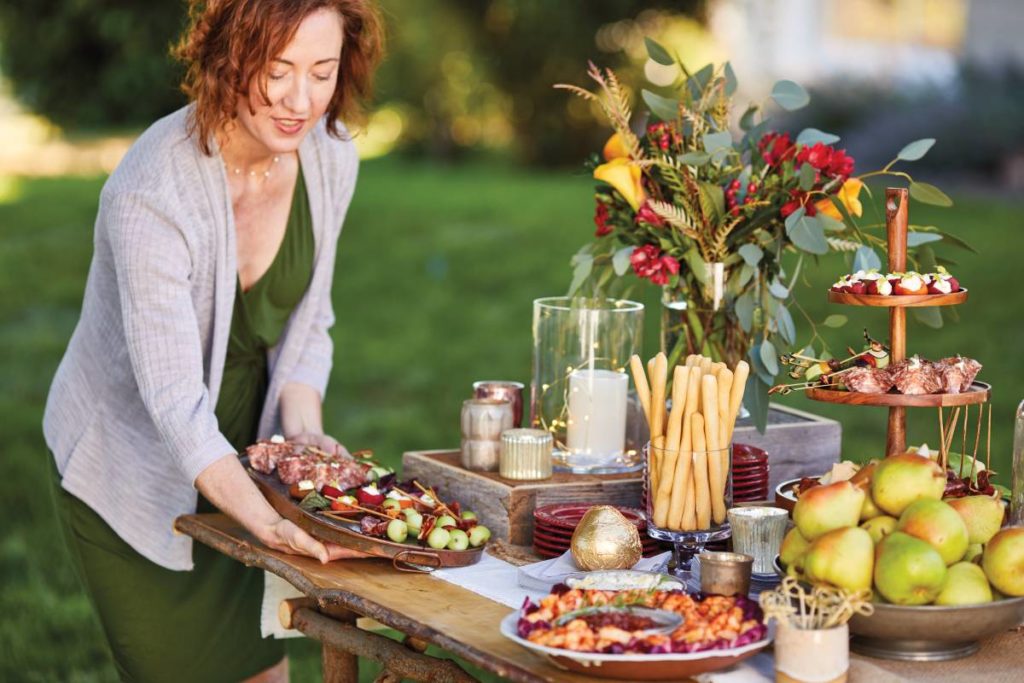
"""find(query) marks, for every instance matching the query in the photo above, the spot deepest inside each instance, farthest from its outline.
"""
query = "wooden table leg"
(339, 666)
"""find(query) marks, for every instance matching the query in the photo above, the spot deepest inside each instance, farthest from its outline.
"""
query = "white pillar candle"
(597, 413)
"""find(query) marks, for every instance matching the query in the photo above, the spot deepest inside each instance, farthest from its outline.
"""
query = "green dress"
(202, 625)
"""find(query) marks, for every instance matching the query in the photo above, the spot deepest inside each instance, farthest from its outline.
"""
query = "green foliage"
(93, 64)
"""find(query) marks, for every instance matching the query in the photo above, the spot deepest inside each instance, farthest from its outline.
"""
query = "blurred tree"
(529, 45)
(92, 63)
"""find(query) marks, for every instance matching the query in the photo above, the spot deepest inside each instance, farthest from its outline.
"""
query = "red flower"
(646, 215)
(841, 165)
(775, 148)
(601, 220)
(648, 262)
(798, 198)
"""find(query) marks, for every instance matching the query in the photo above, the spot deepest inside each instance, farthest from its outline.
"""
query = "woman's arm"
(302, 418)
(226, 485)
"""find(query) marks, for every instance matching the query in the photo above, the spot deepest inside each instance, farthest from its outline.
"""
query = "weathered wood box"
(797, 443)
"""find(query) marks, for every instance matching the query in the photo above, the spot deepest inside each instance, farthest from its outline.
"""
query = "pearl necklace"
(265, 174)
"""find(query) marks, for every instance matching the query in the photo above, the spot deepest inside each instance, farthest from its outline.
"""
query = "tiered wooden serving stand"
(928, 633)
(896, 220)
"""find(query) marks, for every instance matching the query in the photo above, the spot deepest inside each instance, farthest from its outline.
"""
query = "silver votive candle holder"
(758, 532)
(526, 454)
(725, 573)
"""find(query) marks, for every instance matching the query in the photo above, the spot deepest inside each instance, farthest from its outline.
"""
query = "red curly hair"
(229, 43)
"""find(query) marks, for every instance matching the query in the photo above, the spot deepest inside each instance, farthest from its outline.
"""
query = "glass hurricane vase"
(690, 324)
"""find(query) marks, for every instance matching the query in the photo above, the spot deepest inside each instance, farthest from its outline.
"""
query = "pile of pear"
(893, 533)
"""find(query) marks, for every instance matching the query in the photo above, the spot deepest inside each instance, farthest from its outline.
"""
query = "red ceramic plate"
(568, 515)
(553, 544)
(753, 476)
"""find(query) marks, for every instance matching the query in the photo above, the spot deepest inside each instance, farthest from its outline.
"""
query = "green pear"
(842, 558)
(879, 527)
(938, 524)
(1003, 561)
(791, 554)
(974, 552)
(965, 585)
(908, 571)
(983, 516)
(825, 508)
(869, 510)
(901, 479)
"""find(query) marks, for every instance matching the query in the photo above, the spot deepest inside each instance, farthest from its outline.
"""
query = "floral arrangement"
(710, 217)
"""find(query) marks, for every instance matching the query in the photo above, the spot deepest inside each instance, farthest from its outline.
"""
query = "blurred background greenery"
(470, 203)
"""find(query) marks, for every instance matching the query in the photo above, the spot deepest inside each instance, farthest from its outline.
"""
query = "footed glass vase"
(692, 325)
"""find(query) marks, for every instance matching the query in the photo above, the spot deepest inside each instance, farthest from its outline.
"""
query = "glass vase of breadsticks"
(688, 461)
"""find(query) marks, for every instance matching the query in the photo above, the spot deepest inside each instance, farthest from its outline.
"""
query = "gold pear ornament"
(605, 539)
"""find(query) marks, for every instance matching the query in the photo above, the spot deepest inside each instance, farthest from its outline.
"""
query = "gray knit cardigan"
(130, 414)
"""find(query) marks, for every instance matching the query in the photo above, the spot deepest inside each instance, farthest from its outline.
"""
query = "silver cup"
(758, 532)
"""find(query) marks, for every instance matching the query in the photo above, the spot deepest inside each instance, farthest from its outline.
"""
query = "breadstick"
(709, 389)
(705, 365)
(682, 506)
(666, 476)
(691, 360)
(700, 473)
(739, 385)
(643, 389)
(724, 394)
(717, 367)
(658, 378)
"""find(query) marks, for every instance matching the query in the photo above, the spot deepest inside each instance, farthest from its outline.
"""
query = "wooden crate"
(506, 506)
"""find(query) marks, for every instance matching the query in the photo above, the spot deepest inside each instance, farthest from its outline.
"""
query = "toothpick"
(433, 496)
(963, 448)
(977, 442)
(988, 441)
(942, 438)
(951, 433)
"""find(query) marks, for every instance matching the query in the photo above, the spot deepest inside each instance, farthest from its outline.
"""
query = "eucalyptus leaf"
(807, 177)
(929, 194)
(662, 107)
(784, 323)
(830, 224)
(751, 253)
(698, 265)
(778, 290)
(835, 321)
(584, 266)
(620, 261)
(916, 239)
(744, 307)
(930, 316)
(694, 158)
(658, 53)
(746, 275)
(865, 258)
(757, 365)
(717, 142)
(810, 136)
(790, 96)
(916, 149)
(769, 357)
(747, 120)
(957, 242)
(806, 232)
(755, 398)
(730, 80)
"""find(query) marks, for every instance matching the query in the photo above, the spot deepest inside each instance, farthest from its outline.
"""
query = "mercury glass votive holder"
(526, 454)
(758, 532)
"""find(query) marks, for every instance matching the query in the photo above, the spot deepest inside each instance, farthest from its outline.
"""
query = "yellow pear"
(825, 508)
(965, 585)
(899, 480)
(1003, 561)
(842, 557)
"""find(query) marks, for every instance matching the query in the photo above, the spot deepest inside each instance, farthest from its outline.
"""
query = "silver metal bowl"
(931, 633)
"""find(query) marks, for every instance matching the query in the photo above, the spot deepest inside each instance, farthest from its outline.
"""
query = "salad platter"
(362, 506)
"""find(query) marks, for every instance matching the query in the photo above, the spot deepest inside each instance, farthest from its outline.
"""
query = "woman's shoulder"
(157, 156)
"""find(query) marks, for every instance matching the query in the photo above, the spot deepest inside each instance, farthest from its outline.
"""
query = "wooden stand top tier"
(896, 221)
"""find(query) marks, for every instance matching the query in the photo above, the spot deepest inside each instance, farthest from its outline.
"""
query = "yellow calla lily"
(615, 148)
(849, 195)
(624, 176)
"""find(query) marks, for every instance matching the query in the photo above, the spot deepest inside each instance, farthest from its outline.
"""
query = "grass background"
(436, 273)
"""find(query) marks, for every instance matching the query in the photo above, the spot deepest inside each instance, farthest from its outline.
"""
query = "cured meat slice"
(915, 376)
(957, 373)
(868, 380)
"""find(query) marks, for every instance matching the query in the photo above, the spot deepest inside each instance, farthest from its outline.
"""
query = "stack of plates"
(749, 474)
(554, 524)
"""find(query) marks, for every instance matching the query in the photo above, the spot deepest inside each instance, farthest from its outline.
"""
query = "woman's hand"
(287, 537)
(324, 442)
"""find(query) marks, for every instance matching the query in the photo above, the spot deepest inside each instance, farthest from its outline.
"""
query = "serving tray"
(405, 557)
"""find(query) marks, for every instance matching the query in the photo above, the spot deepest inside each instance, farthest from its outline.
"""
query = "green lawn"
(436, 274)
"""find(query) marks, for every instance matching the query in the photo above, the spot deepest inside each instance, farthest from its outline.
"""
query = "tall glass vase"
(690, 324)
(580, 389)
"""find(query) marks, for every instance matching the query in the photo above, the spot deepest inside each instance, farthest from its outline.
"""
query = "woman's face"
(300, 83)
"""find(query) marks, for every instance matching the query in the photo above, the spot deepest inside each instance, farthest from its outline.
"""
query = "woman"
(205, 326)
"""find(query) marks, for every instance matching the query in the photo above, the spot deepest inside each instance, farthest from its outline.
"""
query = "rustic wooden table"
(426, 610)
(429, 611)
